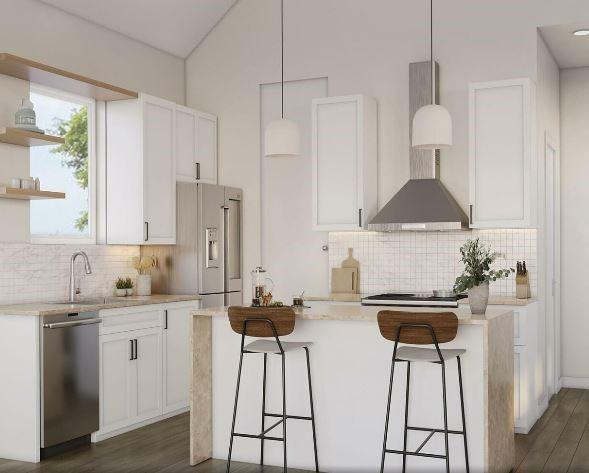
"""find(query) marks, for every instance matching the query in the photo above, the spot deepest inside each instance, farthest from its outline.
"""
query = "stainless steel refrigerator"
(207, 258)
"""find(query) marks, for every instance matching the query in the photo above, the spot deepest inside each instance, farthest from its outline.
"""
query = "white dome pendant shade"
(432, 128)
(432, 124)
(282, 139)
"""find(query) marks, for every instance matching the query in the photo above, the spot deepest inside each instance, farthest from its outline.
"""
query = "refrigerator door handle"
(226, 237)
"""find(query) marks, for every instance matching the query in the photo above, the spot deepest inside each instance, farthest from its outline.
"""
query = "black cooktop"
(413, 299)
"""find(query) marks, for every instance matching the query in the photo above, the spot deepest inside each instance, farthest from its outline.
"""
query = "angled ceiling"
(568, 50)
(174, 26)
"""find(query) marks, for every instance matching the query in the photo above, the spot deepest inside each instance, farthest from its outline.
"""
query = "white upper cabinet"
(344, 162)
(501, 168)
(206, 145)
(196, 146)
(141, 171)
(186, 121)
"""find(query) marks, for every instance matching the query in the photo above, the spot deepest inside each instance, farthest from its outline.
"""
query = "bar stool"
(422, 329)
(269, 322)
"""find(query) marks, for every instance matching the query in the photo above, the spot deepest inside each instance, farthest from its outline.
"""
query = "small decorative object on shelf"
(262, 287)
(477, 258)
(144, 266)
(16, 182)
(121, 287)
(25, 117)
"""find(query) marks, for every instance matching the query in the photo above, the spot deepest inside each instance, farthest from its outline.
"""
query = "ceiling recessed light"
(583, 32)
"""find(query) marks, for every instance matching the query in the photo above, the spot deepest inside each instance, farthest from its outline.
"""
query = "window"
(68, 168)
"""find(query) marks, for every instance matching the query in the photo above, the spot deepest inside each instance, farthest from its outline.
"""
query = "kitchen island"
(350, 364)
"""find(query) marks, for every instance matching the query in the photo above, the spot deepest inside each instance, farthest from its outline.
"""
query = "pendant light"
(282, 135)
(432, 124)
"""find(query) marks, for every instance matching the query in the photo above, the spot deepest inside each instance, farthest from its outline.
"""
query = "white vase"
(143, 285)
(478, 298)
(121, 292)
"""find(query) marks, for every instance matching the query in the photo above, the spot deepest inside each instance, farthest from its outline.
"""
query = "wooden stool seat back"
(444, 325)
(283, 319)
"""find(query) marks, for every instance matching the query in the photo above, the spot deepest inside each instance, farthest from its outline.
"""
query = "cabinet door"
(335, 152)
(159, 172)
(344, 159)
(148, 366)
(176, 359)
(117, 393)
(518, 393)
(186, 126)
(206, 145)
(500, 147)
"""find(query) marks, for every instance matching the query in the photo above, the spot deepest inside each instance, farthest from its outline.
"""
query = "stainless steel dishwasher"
(69, 389)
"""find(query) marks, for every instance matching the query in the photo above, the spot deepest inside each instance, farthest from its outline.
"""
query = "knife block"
(522, 286)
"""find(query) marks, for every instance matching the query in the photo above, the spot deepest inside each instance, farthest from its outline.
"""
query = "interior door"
(292, 252)
(207, 148)
(116, 389)
(159, 170)
(186, 144)
(149, 373)
(176, 359)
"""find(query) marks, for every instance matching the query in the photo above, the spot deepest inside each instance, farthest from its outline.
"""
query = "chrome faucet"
(73, 289)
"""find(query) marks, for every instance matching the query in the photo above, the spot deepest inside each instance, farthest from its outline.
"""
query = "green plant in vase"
(478, 258)
(121, 287)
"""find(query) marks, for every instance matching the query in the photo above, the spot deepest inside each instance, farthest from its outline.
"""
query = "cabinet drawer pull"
(470, 214)
(132, 351)
(360, 217)
(166, 319)
(136, 351)
(197, 171)
(146, 235)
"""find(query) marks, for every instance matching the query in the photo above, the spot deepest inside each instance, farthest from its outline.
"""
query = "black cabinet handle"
(359, 217)
(132, 355)
(470, 214)
(166, 319)
(197, 171)
(136, 351)
(146, 236)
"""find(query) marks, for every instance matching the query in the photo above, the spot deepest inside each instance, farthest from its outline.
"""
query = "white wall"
(42, 33)
(574, 108)
(362, 47)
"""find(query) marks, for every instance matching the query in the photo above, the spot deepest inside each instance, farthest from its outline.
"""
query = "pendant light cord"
(282, 58)
(431, 49)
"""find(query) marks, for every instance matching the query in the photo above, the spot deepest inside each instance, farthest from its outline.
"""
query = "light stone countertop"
(357, 312)
(92, 305)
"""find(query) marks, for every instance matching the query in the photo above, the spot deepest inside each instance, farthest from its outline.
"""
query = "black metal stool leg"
(445, 417)
(463, 415)
(234, 411)
(386, 426)
(312, 410)
(284, 408)
(406, 415)
(263, 409)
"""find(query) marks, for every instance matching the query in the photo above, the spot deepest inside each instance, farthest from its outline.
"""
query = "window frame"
(90, 103)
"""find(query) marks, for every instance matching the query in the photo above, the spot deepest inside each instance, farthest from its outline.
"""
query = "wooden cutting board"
(343, 280)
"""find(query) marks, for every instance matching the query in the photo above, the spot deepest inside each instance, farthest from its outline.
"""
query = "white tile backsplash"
(423, 261)
(32, 273)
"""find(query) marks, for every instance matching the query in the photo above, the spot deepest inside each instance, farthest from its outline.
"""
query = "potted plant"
(121, 287)
(129, 286)
(477, 258)
(144, 266)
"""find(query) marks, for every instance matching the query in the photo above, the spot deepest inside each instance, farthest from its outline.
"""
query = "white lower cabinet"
(144, 366)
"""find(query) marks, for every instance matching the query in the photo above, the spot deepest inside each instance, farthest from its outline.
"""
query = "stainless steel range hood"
(423, 203)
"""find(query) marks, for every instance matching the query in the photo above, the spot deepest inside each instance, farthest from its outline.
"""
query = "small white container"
(120, 292)
(143, 285)
(16, 182)
(37, 184)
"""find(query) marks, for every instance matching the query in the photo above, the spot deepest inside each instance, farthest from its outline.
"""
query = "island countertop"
(357, 312)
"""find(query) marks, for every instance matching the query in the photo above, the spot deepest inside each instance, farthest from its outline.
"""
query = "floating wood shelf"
(49, 76)
(17, 136)
(28, 194)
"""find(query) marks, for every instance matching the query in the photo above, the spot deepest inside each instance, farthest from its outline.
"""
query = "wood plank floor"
(559, 442)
